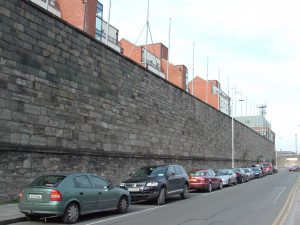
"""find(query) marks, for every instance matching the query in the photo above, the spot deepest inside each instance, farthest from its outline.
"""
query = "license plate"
(133, 189)
(35, 196)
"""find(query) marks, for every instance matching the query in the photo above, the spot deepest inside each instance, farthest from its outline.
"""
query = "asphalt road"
(256, 202)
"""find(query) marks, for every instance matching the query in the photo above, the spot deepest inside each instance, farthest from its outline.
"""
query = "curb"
(13, 220)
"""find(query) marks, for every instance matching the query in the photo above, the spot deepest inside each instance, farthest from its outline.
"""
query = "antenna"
(262, 109)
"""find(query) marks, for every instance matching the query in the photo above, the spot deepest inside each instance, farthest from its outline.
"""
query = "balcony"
(112, 36)
(50, 5)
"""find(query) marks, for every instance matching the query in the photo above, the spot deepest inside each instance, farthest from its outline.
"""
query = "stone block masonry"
(69, 103)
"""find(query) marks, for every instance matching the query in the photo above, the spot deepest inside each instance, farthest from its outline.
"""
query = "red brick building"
(80, 13)
(215, 96)
(86, 15)
(157, 61)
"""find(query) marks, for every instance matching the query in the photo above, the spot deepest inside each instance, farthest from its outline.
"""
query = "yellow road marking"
(287, 206)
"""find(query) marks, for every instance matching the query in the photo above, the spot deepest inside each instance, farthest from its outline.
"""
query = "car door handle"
(100, 193)
(81, 193)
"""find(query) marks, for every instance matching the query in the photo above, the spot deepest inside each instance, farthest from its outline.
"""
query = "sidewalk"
(9, 213)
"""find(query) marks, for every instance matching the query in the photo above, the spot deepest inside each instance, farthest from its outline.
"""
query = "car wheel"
(123, 205)
(209, 188)
(161, 199)
(185, 193)
(220, 185)
(71, 214)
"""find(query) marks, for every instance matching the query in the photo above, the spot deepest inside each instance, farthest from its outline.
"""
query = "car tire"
(220, 185)
(71, 214)
(161, 199)
(123, 205)
(185, 193)
(209, 188)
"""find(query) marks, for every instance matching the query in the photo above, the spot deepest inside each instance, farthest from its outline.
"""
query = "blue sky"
(256, 43)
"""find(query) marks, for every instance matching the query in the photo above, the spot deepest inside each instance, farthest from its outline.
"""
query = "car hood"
(140, 179)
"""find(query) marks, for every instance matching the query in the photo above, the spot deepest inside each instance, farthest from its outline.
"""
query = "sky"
(253, 43)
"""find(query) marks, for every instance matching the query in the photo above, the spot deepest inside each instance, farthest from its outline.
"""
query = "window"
(98, 182)
(82, 182)
(99, 17)
(48, 181)
(177, 170)
(171, 170)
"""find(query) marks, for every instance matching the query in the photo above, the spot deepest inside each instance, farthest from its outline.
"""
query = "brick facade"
(80, 13)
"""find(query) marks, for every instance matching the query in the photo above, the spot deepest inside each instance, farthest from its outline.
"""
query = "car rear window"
(48, 181)
(198, 173)
(222, 172)
(266, 165)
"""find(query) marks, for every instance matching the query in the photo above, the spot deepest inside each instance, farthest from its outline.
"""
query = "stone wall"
(69, 103)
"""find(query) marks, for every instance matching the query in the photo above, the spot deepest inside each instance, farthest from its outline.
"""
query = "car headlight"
(122, 184)
(152, 184)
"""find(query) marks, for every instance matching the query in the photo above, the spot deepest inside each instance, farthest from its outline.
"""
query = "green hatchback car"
(70, 196)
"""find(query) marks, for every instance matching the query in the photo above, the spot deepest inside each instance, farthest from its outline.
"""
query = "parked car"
(294, 169)
(241, 176)
(228, 176)
(157, 183)
(70, 196)
(205, 180)
(249, 172)
(257, 172)
(267, 168)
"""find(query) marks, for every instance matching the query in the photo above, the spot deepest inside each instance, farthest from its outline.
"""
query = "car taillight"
(21, 195)
(55, 195)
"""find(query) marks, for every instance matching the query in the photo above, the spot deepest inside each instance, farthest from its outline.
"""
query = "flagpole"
(169, 49)
(147, 30)
(107, 25)
(207, 79)
(193, 68)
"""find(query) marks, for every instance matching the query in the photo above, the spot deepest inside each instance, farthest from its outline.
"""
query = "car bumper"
(42, 208)
(199, 186)
(138, 196)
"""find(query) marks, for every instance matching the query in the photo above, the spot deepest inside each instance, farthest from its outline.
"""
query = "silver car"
(250, 173)
(227, 175)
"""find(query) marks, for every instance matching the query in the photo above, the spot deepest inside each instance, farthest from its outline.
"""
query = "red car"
(294, 169)
(267, 168)
(204, 180)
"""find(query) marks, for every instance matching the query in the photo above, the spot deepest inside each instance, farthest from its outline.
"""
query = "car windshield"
(48, 181)
(255, 169)
(266, 165)
(236, 169)
(222, 172)
(198, 173)
(159, 171)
